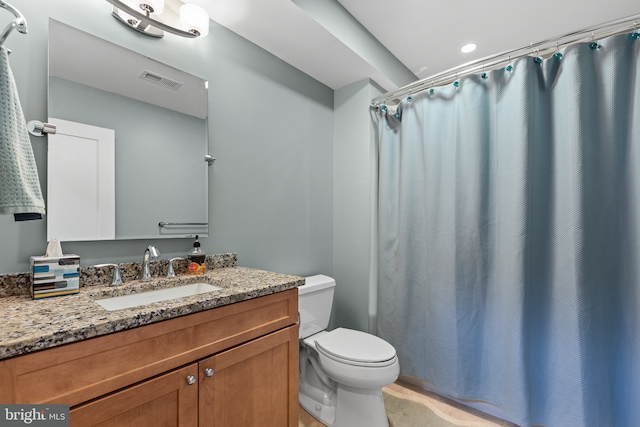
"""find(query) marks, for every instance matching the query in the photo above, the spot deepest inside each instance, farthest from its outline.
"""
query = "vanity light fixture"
(154, 17)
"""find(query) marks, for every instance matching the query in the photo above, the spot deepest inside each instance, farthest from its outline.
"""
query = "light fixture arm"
(146, 20)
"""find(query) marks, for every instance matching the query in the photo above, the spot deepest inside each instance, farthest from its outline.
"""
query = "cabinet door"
(165, 401)
(252, 385)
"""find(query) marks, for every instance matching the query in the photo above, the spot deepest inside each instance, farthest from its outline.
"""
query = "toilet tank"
(315, 298)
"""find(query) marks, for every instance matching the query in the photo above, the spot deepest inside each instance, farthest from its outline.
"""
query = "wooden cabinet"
(242, 360)
(250, 386)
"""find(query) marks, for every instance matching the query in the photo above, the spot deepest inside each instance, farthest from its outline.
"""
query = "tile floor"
(449, 411)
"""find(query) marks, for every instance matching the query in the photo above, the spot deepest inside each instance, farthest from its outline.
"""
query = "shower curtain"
(509, 236)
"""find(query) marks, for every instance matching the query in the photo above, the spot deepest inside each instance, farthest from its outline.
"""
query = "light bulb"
(194, 19)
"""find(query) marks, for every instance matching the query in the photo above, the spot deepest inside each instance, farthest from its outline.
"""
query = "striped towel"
(19, 184)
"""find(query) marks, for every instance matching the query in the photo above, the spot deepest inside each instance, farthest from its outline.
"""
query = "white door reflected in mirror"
(80, 182)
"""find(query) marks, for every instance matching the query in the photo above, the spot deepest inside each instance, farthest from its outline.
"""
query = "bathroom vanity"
(225, 358)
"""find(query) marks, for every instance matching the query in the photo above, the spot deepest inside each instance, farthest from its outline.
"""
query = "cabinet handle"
(191, 380)
(208, 372)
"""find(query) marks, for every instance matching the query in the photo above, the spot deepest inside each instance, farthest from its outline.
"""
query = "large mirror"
(151, 180)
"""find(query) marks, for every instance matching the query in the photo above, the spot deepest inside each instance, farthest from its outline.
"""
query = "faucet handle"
(117, 277)
(170, 272)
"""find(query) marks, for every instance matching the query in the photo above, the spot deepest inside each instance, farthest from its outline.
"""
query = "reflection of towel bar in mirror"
(162, 224)
(37, 128)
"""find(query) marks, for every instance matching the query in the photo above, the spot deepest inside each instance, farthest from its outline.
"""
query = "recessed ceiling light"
(468, 48)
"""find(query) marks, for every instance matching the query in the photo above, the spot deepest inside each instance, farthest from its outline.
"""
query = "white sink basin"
(143, 298)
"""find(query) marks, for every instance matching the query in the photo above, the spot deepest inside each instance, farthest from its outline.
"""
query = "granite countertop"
(32, 325)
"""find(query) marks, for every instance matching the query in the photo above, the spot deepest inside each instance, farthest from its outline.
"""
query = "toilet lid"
(355, 346)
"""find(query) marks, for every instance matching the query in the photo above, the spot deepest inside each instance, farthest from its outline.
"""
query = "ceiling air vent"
(160, 80)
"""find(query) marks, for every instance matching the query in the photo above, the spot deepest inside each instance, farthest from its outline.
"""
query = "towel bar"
(19, 23)
(169, 224)
(37, 128)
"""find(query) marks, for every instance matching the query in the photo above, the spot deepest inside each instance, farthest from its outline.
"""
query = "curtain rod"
(494, 61)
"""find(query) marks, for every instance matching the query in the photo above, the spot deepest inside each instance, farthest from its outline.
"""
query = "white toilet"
(342, 372)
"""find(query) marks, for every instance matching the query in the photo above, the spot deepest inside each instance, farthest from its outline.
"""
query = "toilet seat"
(356, 348)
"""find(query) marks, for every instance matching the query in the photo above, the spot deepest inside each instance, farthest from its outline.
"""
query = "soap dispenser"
(196, 257)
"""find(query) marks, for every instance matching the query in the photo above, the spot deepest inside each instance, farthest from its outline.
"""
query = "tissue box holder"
(55, 276)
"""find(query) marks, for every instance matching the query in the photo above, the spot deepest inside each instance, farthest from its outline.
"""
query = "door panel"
(253, 385)
(165, 401)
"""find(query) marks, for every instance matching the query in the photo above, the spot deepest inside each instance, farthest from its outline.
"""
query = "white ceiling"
(425, 36)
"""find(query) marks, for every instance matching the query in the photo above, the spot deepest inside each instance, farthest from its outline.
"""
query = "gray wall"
(354, 187)
(270, 128)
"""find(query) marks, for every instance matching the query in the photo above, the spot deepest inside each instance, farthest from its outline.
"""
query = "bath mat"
(404, 412)
(407, 413)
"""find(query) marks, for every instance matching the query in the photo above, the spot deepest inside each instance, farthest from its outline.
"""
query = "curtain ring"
(594, 44)
(558, 54)
(509, 67)
(635, 35)
(537, 59)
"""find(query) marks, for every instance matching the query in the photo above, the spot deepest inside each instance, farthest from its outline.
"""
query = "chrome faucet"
(150, 253)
